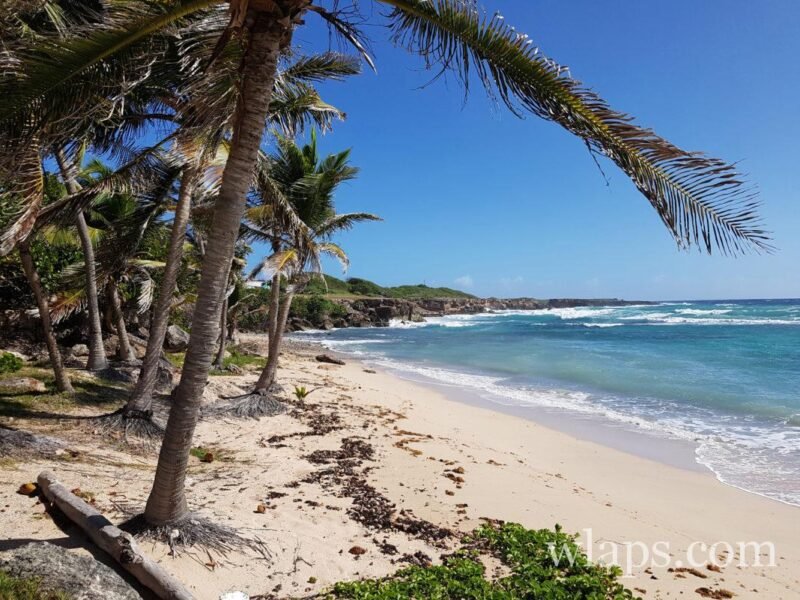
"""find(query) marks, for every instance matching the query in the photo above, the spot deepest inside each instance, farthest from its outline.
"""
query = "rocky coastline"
(380, 312)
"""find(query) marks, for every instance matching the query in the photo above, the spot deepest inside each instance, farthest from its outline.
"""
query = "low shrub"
(316, 308)
(529, 555)
(9, 363)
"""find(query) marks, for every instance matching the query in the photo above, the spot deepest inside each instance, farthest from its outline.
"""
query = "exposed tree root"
(195, 531)
(247, 406)
(139, 427)
(136, 426)
(16, 443)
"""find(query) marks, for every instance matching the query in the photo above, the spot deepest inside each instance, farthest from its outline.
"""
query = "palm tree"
(701, 200)
(310, 183)
(63, 383)
(97, 352)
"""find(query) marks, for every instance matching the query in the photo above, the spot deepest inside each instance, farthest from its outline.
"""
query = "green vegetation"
(10, 363)
(301, 392)
(14, 588)
(316, 308)
(239, 360)
(528, 557)
(363, 287)
(89, 392)
(236, 358)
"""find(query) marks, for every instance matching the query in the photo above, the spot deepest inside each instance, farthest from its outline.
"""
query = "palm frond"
(21, 196)
(703, 201)
(336, 252)
(350, 33)
(293, 107)
(343, 222)
(326, 66)
(57, 78)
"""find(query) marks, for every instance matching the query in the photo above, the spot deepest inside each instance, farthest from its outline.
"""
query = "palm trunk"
(97, 352)
(267, 377)
(62, 379)
(142, 398)
(233, 327)
(274, 304)
(167, 500)
(223, 330)
(125, 351)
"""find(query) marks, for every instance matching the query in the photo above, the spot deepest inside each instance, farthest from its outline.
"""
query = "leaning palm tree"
(295, 104)
(701, 200)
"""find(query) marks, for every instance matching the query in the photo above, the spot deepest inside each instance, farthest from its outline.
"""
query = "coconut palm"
(310, 183)
(701, 200)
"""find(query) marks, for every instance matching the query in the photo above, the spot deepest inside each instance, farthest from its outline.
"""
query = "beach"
(366, 437)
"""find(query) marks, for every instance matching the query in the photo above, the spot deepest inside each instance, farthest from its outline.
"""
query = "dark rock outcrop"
(176, 340)
(380, 312)
(79, 576)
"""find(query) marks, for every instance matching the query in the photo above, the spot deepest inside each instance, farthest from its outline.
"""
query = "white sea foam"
(602, 325)
(703, 312)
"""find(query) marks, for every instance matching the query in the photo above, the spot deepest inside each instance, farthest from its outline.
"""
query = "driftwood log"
(119, 544)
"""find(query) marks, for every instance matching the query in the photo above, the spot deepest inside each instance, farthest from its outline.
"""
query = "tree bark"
(274, 304)
(62, 379)
(142, 398)
(219, 362)
(125, 351)
(267, 377)
(97, 352)
(167, 500)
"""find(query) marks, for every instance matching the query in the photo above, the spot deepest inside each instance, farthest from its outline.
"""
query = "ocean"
(721, 375)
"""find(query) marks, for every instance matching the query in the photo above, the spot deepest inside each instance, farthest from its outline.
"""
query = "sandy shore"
(366, 437)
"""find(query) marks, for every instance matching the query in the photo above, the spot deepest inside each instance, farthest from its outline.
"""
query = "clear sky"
(475, 198)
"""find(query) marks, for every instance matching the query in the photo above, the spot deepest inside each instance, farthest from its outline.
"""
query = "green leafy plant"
(527, 554)
(300, 392)
(10, 363)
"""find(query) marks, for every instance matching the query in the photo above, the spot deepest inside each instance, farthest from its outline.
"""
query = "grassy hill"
(363, 287)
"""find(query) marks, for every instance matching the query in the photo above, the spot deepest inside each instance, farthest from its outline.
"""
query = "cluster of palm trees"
(196, 104)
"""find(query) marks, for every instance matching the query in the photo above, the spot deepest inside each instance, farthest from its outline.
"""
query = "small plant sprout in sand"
(300, 392)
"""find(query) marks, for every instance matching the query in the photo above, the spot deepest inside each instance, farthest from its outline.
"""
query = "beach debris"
(720, 594)
(120, 545)
(713, 567)
(234, 596)
(370, 371)
(325, 358)
(261, 508)
(28, 489)
(357, 551)
(419, 559)
(690, 570)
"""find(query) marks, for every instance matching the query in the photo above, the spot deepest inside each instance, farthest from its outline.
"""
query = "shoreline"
(691, 436)
(649, 500)
(509, 468)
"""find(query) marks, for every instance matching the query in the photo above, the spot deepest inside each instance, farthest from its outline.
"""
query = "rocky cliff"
(379, 312)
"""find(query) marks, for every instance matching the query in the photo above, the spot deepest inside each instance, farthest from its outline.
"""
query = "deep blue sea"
(724, 375)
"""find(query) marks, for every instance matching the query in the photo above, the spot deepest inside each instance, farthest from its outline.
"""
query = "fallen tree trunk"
(120, 545)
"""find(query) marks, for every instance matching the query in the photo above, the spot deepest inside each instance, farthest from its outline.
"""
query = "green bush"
(10, 363)
(363, 287)
(528, 555)
(315, 309)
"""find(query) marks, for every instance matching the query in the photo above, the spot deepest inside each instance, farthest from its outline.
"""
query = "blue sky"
(476, 198)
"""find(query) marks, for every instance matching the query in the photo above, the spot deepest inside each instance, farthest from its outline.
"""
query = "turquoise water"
(724, 375)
